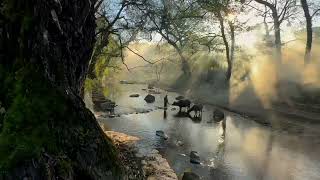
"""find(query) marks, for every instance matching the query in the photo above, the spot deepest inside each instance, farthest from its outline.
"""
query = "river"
(248, 151)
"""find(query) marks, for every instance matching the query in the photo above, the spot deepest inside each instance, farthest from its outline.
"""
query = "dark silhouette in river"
(197, 108)
(185, 103)
(165, 102)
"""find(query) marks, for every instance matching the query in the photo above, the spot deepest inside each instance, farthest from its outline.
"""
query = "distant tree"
(309, 17)
(280, 11)
(175, 21)
(225, 12)
(113, 23)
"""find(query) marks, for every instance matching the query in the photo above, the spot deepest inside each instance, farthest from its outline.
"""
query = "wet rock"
(150, 86)
(179, 143)
(190, 176)
(149, 98)
(194, 157)
(218, 115)
(162, 134)
(134, 95)
(125, 82)
(160, 107)
(179, 98)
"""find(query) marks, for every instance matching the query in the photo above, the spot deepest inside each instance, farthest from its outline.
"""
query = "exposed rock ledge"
(147, 165)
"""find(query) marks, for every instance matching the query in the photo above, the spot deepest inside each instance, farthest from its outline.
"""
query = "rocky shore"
(140, 165)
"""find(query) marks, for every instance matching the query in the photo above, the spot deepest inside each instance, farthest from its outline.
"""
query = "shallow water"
(248, 151)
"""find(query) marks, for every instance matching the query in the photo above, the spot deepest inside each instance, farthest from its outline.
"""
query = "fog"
(258, 80)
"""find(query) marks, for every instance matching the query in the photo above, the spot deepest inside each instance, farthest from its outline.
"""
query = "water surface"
(249, 151)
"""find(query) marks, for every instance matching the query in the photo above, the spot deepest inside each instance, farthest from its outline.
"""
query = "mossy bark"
(46, 131)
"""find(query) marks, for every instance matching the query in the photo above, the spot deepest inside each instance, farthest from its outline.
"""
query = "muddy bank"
(140, 165)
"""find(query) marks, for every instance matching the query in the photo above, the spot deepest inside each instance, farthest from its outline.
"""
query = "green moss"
(64, 167)
(26, 131)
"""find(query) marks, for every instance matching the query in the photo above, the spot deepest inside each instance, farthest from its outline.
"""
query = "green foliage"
(90, 84)
(109, 56)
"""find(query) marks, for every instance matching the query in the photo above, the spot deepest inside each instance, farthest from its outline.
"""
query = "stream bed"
(248, 151)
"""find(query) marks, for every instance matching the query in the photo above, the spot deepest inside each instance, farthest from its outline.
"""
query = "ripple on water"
(248, 151)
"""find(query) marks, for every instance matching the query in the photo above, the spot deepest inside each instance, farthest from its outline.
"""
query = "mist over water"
(258, 78)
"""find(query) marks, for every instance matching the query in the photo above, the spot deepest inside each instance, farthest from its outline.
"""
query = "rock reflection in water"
(247, 151)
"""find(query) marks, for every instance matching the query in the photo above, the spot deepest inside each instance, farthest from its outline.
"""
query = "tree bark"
(184, 63)
(277, 35)
(226, 44)
(277, 31)
(47, 132)
(305, 7)
(233, 41)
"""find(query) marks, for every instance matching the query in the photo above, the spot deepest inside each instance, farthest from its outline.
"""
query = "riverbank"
(139, 165)
(221, 157)
(265, 116)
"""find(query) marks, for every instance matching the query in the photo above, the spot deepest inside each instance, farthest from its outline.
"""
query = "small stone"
(134, 95)
(179, 143)
(162, 134)
(194, 157)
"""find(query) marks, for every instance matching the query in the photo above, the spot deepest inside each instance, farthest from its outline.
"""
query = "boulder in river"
(150, 86)
(218, 115)
(149, 98)
(179, 98)
(179, 143)
(134, 95)
(162, 134)
(194, 157)
(190, 176)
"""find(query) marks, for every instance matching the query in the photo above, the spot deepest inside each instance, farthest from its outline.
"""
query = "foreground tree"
(46, 131)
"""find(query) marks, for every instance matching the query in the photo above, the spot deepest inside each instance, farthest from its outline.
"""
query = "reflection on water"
(244, 150)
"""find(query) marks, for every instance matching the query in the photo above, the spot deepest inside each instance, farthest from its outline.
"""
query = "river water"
(248, 151)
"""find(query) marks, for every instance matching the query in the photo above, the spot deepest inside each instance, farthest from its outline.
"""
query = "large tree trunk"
(226, 45)
(308, 17)
(185, 67)
(277, 35)
(46, 132)
(233, 42)
(277, 31)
